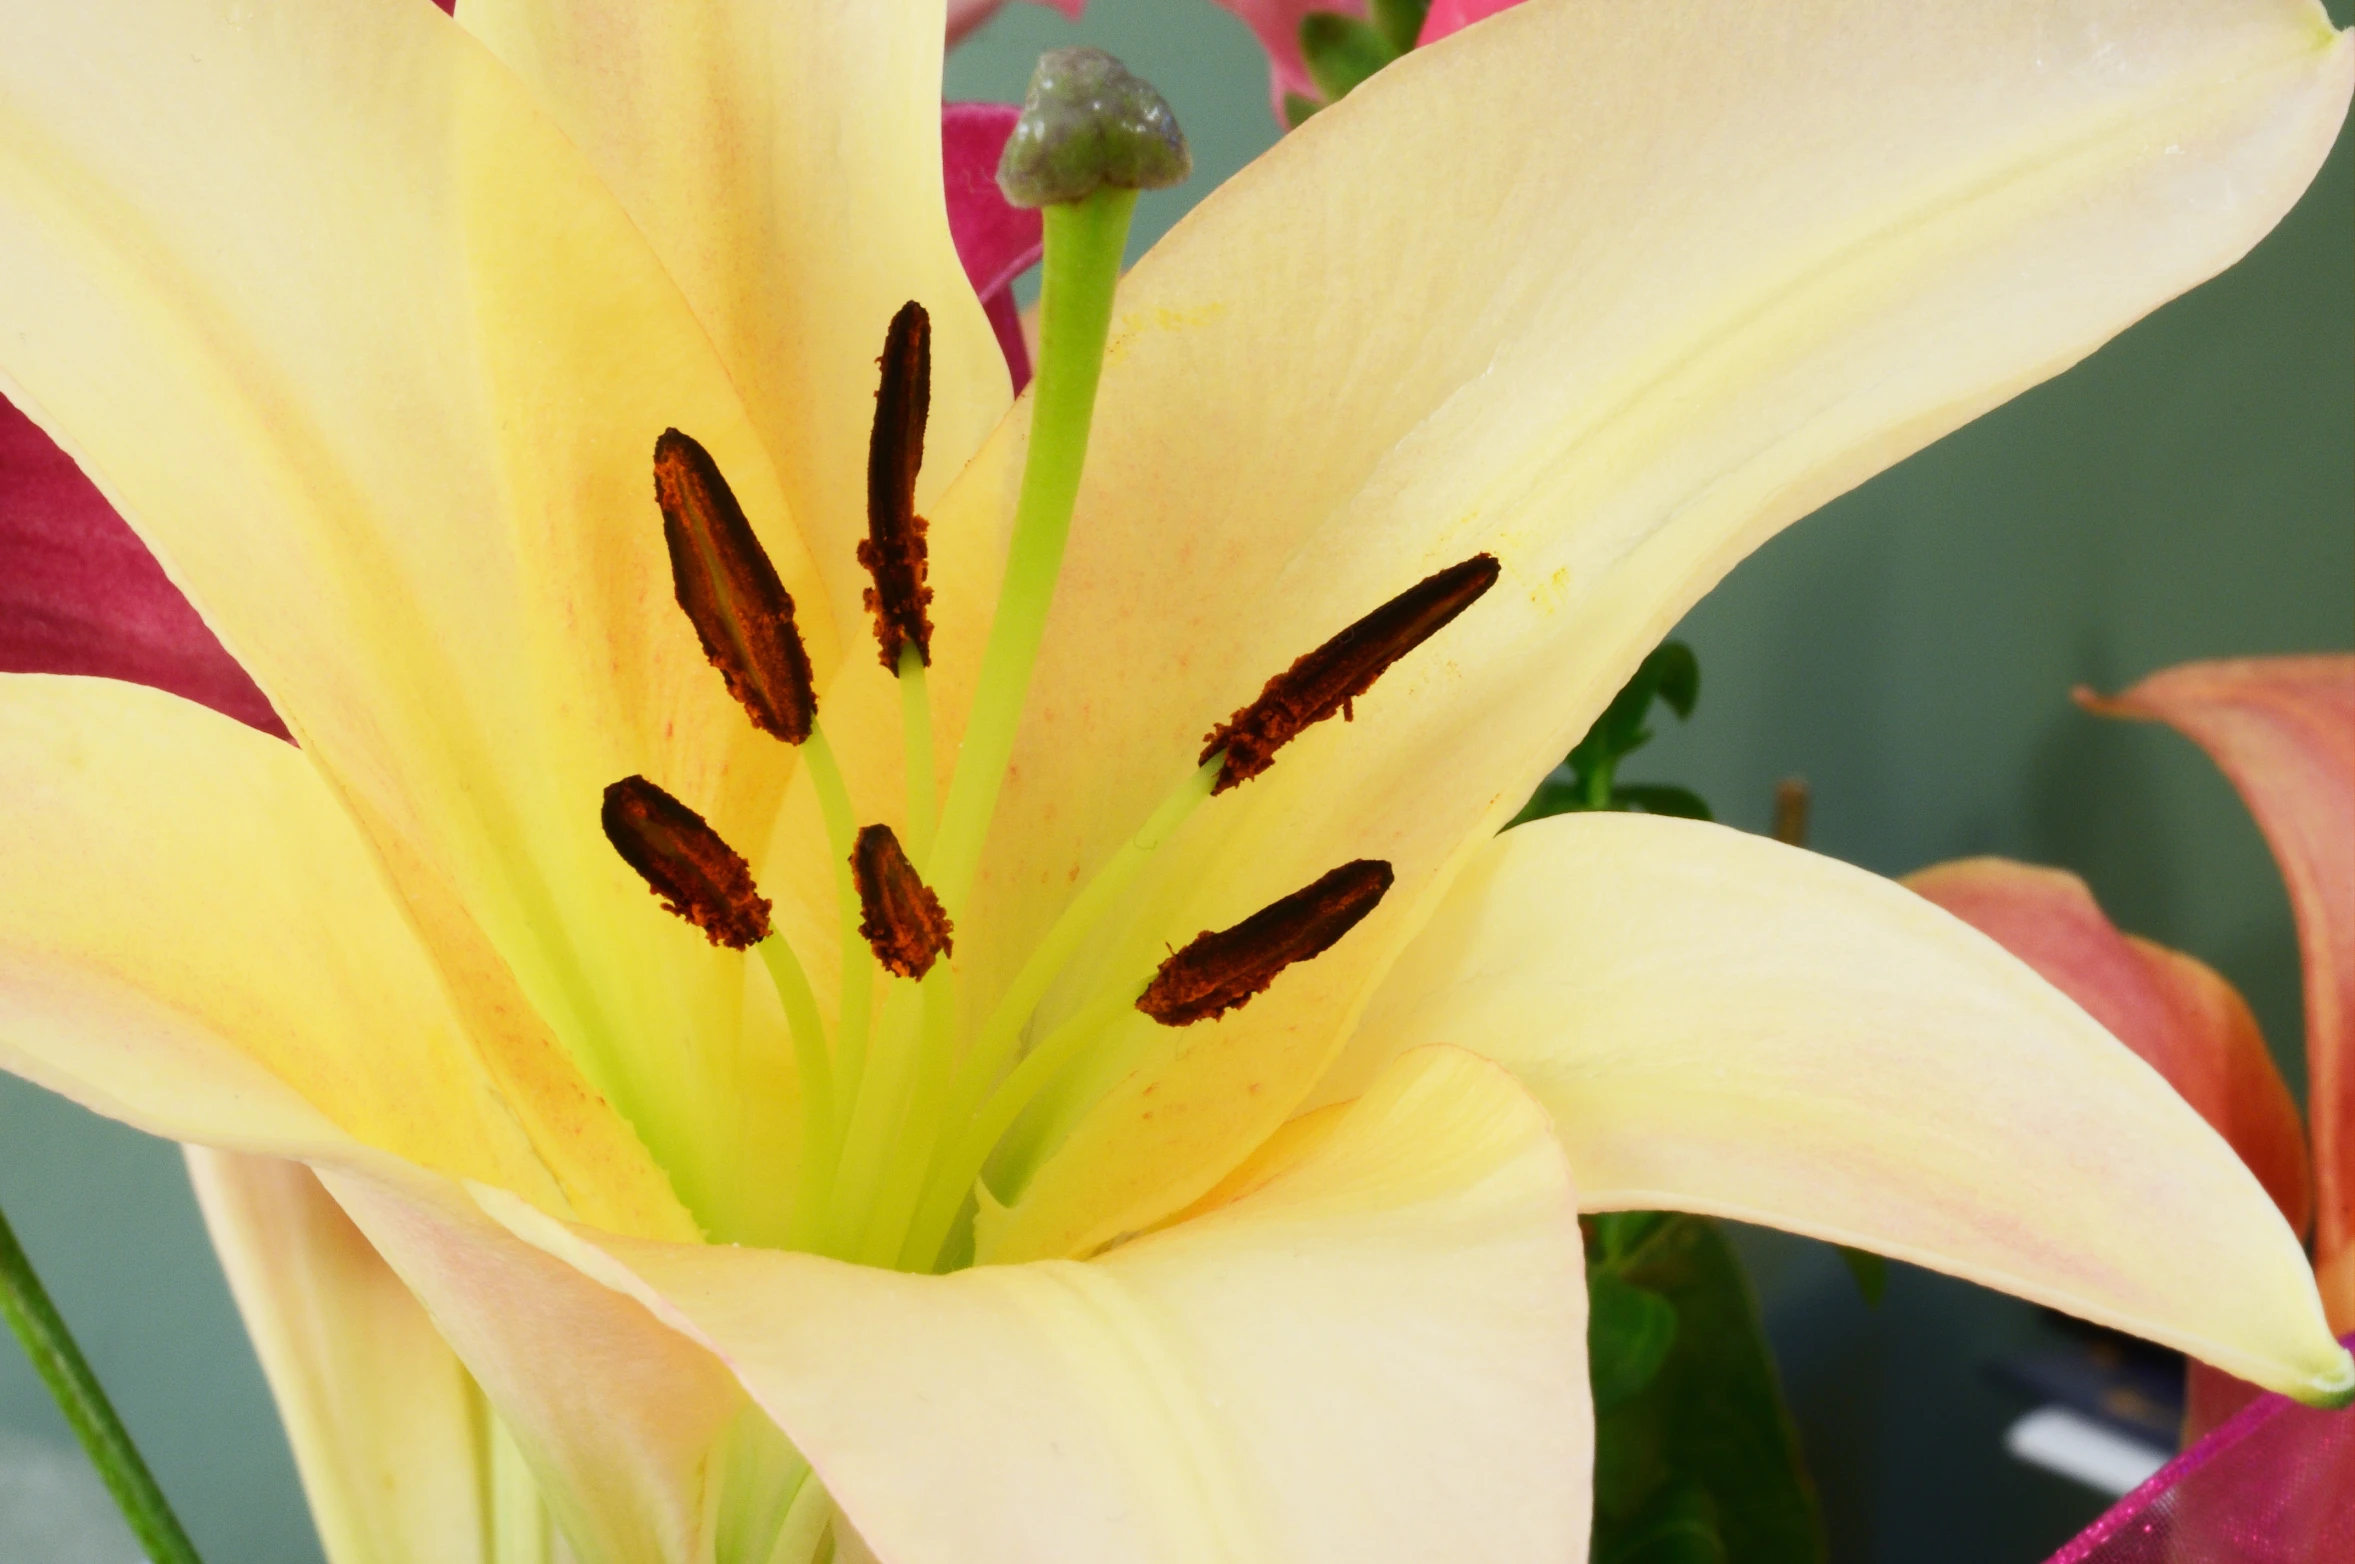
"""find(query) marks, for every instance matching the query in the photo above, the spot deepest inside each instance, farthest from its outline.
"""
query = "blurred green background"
(2188, 492)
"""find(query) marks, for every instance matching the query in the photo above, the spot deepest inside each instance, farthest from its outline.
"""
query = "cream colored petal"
(387, 1429)
(784, 159)
(629, 1428)
(2283, 728)
(2177, 1014)
(193, 938)
(1723, 1024)
(356, 340)
(1613, 290)
(1376, 1353)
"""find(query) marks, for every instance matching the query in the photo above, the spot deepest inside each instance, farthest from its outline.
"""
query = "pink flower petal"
(79, 593)
(2283, 729)
(1276, 23)
(996, 240)
(2270, 1486)
(2181, 1017)
(1453, 16)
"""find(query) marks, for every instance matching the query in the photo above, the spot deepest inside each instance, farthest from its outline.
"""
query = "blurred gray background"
(2189, 492)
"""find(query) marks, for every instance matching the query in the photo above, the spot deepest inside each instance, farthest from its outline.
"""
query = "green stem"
(1598, 784)
(945, 1191)
(816, 1074)
(66, 1372)
(1084, 240)
(850, 1038)
(915, 710)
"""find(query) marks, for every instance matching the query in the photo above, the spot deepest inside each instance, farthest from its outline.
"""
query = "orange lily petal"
(2283, 729)
(2179, 1014)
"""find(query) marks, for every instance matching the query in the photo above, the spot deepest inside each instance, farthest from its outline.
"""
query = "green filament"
(1084, 240)
(1002, 1032)
(815, 1070)
(873, 1132)
(915, 709)
(955, 1175)
(903, 1181)
(850, 1042)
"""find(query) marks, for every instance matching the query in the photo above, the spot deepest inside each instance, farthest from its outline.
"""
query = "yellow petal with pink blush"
(2283, 728)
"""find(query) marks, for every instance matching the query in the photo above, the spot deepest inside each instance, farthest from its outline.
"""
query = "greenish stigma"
(1088, 123)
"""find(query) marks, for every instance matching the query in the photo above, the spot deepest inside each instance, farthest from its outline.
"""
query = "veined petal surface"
(2178, 1014)
(1375, 1352)
(2283, 729)
(359, 345)
(1613, 289)
(196, 941)
(784, 159)
(625, 1424)
(1723, 1024)
(387, 1430)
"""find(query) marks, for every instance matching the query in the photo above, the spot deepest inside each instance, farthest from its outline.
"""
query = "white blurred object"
(2082, 1450)
(54, 1509)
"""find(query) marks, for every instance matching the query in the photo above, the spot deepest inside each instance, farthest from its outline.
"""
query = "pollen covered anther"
(899, 916)
(1220, 971)
(731, 594)
(698, 876)
(1328, 679)
(893, 550)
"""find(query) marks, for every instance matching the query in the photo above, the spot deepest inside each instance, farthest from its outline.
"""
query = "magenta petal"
(2274, 1485)
(79, 593)
(996, 240)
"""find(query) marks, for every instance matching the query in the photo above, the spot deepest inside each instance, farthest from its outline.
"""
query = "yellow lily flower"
(369, 321)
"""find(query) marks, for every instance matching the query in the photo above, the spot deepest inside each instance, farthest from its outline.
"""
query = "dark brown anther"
(1333, 676)
(1220, 971)
(894, 548)
(899, 915)
(697, 875)
(740, 610)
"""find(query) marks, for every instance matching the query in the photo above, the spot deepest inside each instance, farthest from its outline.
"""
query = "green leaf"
(1658, 798)
(1711, 1417)
(1871, 1273)
(1679, 1526)
(1340, 52)
(1556, 795)
(1629, 1330)
(1677, 675)
(1400, 22)
(1297, 108)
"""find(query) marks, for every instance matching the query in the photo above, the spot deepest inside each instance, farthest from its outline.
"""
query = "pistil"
(1090, 137)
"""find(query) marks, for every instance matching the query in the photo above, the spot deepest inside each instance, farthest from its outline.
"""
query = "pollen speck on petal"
(900, 917)
(1220, 971)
